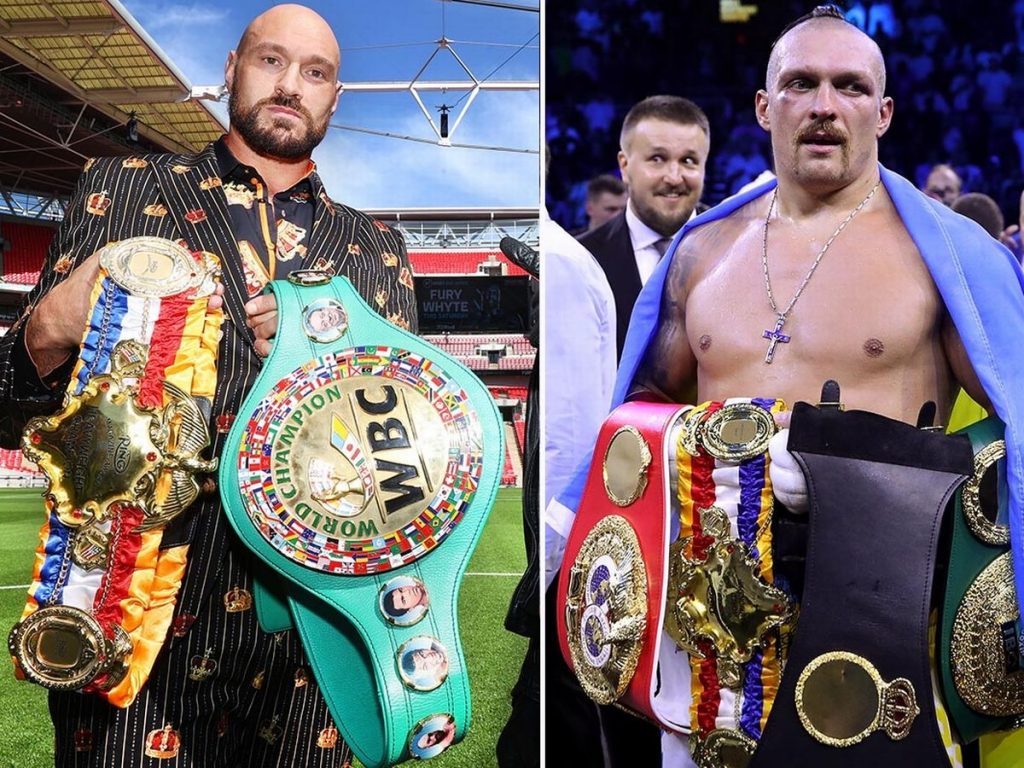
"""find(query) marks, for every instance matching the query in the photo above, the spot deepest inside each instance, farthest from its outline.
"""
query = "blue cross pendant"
(776, 337)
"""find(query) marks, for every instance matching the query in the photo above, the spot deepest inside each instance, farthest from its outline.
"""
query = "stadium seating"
(459, 262)
(518, 355)
(508, 393)
(17, 471)
(23, 262)
(520, 426)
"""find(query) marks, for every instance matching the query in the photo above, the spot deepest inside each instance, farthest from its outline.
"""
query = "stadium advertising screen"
(472, 304)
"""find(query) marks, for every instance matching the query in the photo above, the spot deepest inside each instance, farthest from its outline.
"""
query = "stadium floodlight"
(132, 127)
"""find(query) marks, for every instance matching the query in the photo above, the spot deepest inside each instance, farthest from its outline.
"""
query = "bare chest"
(869, 313)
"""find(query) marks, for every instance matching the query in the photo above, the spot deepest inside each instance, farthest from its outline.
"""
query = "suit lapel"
(622, 243)
(333, 237)
(191, 186)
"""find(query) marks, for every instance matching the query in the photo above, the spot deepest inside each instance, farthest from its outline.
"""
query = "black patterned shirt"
(271, 231)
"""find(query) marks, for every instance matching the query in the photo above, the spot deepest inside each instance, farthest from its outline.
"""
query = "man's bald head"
(293, 16)
(283, 82)
(822, 15)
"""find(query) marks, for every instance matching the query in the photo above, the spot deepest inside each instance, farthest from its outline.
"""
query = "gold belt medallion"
(842, 699)
(734, 432)
(723, 748)
(721, 599)
(153, 267)
(64, 648)
(103, 447)
(606, 609)
(986, 679)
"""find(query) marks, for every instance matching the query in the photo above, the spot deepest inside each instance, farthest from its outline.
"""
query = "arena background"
(955, 71)
(63, 100)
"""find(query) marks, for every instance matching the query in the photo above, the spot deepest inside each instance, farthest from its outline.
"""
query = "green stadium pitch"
(493, 655)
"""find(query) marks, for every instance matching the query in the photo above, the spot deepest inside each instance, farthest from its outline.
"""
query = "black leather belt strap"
(878, 492)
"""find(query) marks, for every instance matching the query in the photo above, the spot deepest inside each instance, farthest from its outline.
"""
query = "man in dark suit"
(221, 691)
(664, 146)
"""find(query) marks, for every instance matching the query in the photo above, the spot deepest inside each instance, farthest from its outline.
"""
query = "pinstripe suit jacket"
(180, 197)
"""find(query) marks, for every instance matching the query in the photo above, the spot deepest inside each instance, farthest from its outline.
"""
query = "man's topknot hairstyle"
(827, 11)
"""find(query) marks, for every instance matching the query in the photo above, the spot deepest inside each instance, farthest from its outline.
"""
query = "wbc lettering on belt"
(353, 461)
(346, 494)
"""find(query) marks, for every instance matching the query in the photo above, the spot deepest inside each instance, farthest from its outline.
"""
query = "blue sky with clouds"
(392, 40)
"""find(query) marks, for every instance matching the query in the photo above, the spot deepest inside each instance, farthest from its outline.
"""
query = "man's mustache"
(288, 102)
(821, 129)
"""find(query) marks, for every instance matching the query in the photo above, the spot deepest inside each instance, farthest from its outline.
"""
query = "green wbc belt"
(360, 470)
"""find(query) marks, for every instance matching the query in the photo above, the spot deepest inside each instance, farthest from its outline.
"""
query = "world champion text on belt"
(312, 466)
(360, 451)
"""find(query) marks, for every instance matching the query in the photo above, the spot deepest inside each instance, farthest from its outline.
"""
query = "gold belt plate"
(842, 699)
(64, 648)
(721, 599)
(625, 467)
(103, 447)
(983, 678)
(606, 609)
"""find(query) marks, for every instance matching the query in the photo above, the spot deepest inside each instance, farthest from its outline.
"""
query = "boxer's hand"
(216, 300)
(261, 316)
(54, 329)
(788, 482)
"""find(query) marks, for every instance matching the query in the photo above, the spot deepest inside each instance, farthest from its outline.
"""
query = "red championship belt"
(612, 587)
(666, 600)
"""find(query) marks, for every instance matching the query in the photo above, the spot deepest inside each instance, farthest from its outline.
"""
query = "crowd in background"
(955, 71)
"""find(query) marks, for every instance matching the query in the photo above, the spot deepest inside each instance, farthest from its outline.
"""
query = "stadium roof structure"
(469, 228)
(73, 74)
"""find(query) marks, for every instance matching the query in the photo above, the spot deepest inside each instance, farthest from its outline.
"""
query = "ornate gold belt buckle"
(606, 609)
(721, 599)
(153, 267)
(64, 648)
(102, 447)
(842, 699)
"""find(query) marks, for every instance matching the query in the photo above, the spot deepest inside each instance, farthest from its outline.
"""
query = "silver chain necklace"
(776, 336)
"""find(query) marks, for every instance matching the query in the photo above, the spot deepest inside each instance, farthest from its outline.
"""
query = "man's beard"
(665, 224)
(267, 140)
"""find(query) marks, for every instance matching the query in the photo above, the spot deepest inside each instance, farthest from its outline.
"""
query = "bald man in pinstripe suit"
(222, 692)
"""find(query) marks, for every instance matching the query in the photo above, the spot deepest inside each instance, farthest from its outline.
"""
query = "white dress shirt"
(643, 239)
(577, 369)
